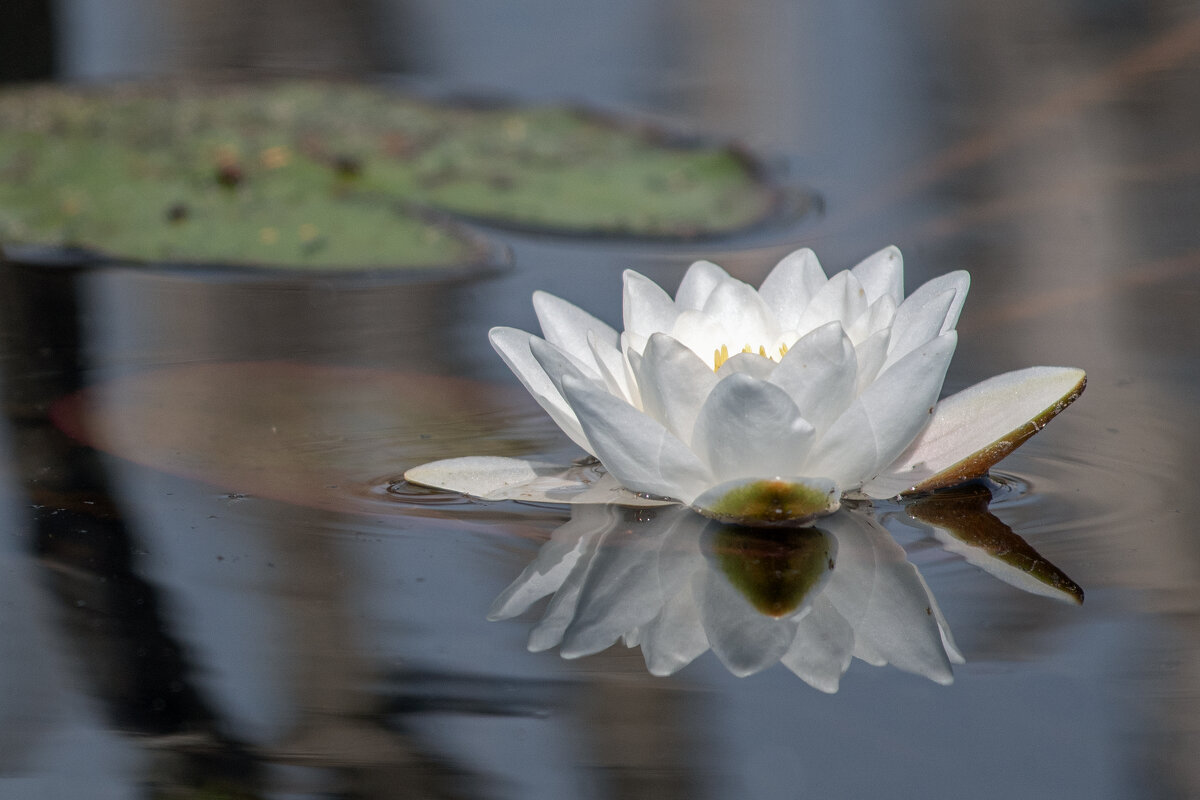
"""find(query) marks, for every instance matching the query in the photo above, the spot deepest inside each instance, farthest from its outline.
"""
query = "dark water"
(222, 598)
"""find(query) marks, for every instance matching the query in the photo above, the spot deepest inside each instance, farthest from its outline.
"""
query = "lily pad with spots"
(329, 176)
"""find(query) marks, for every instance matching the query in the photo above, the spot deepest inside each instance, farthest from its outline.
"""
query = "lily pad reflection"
(960, 521)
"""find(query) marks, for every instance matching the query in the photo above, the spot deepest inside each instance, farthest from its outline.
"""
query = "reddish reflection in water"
(310, 434)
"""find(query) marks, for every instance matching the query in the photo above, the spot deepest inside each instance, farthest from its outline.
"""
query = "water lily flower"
(676, 585)
(763, 406)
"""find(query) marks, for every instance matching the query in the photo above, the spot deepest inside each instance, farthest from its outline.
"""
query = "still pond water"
(225, 590)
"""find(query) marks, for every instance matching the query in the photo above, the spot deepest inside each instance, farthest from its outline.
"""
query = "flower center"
(721, 354)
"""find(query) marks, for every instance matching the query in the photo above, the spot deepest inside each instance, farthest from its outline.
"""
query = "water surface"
(224, 597)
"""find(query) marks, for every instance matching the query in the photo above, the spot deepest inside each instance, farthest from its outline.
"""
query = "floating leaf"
(497, 478)
(326, 176)
(986, 421)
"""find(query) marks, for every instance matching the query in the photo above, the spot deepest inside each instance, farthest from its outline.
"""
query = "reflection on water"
(219, 595)
(168, 633)
(960, 521)
(676, 584)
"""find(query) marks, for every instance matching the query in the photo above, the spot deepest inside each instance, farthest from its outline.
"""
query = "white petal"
(750, 428)
(637, 449)
(701, 334)
(632, 360)
(567, 326)
(495, 478)
(513, 347)
(611, 363)
(846, 453)
(881, 314)
(646, 307)
(885, 418)
(791, 285)
(928, 312)
(698, 283)
(742, 312)
(842, 299)
(819, 374)
(869, 355)
(900, 402)
(916, 324)
(975, 428)
(633, 342)
(674, 383)
(556, 364)
(882, 275)
(877, 317)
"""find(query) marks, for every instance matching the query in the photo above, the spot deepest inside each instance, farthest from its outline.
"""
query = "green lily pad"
(328, 175)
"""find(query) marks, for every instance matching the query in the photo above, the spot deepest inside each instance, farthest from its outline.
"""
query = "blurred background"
(214, 597)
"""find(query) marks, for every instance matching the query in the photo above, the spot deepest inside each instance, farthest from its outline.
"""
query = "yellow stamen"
(720, 356)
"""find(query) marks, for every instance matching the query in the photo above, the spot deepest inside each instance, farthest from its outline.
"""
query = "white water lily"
(766, 406)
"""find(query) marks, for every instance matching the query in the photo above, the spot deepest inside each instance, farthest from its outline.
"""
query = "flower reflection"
(676, 584)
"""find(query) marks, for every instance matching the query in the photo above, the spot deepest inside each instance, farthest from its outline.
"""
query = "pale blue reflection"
(677, 584)
(54, 739)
